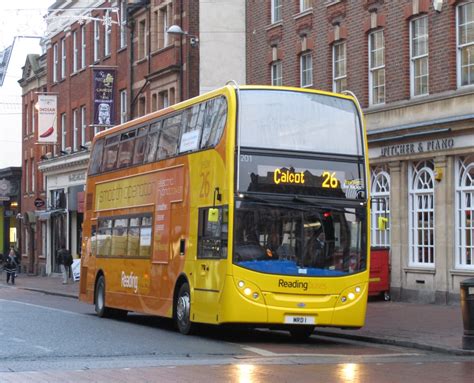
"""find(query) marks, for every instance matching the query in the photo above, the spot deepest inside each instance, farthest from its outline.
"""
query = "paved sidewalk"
(422, 326)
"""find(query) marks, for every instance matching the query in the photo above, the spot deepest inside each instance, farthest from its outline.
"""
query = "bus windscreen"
(299, 121)
(299, 240)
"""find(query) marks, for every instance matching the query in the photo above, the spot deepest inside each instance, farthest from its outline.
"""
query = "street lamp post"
(176, 30)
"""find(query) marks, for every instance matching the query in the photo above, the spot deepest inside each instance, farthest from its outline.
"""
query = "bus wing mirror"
(382, 223)
(213, 215)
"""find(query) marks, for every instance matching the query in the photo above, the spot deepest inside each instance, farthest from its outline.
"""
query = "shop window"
(464, 258)
(380, 207)
(421, 214)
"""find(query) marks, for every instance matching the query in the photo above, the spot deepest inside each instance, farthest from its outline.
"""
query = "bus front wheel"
(100, 308)
(183, 310)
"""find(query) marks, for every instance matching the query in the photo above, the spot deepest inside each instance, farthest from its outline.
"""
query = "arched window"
(464, 212)
(380, 192)
(421, 214)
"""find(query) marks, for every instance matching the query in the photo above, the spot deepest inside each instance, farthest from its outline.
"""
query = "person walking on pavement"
(10, 266)
(64, 259)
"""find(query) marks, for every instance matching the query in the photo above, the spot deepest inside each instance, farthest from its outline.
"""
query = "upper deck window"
(297, 121)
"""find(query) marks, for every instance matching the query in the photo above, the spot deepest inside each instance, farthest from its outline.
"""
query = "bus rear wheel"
(301, 332)
(182, 306)
(101, 310)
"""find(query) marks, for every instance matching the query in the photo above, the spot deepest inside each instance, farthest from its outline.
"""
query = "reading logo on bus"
(129, 281)
(288, 177)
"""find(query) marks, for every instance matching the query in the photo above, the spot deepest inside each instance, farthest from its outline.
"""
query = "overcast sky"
(21, 18)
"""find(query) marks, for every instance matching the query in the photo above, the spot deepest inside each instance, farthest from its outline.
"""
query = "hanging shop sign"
(104, 90)
(47, 118)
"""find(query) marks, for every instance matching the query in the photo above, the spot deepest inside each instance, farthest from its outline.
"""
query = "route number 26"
(330, 181)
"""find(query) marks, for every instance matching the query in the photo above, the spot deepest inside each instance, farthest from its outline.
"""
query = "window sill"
(274, 25)
(420, 270)
(462, 272)
(328, 3)
(301, 15)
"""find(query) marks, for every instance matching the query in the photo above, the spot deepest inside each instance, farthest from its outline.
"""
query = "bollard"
(467, 308)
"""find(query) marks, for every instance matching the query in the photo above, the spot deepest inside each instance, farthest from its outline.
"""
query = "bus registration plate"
(299, 319)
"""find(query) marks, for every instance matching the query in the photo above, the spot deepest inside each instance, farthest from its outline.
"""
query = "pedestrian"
(10, 266)
(64, 259)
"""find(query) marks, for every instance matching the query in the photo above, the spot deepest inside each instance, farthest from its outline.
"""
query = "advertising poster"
(104, 90)
(47, 119)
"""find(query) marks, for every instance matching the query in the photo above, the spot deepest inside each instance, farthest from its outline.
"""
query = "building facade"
(107, 62)
(411, 65)
(9, 208)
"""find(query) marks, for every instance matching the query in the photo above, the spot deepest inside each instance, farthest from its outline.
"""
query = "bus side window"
(109, 159)
(127, 142)
(104, 237)
(140, 146)
(133, 237)
(152, 142)
(94, 240)
(192, 126)
(145, 236)
(96, 157)
(214, 122)
(119, 237)
(168, 144)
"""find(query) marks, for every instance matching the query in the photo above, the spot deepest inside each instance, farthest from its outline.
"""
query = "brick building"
(411, 65)
(123, 45)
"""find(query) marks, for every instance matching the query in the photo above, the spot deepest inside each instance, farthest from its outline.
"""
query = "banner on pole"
(104, 86)
(47, 119)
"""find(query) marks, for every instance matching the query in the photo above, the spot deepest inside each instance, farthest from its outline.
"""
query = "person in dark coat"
(65, 260)
(10, 266)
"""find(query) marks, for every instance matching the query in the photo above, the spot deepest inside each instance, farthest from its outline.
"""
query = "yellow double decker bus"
(245, 205)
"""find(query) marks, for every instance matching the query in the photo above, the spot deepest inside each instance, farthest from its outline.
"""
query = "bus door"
(210, 266)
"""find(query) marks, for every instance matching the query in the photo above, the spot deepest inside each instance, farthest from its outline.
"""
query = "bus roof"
(227, 89)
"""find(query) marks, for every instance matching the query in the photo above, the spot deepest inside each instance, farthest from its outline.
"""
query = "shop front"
(424, 169)
(63, 214)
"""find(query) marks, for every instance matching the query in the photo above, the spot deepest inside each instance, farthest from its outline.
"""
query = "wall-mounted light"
(176, 30)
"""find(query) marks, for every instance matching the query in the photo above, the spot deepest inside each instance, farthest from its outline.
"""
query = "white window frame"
(33, 119)
(55, 62)
(277, 73)
(123, 106)
(83, 125)
(464, 46)
(83, 46)
(27, 119)
(75, 130)
(380, 191)
(306, 69)
(96, 40)
(75, 64)
(419, 58)
(27, 177)
(421, 203)
(276, 10)
(123, 24)
(63, 58)
(339, 67)
(63, 131)
(305, 5)
(376, 69)
(32, 175)
(107, 36)
(142, 40)
(464, 223)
